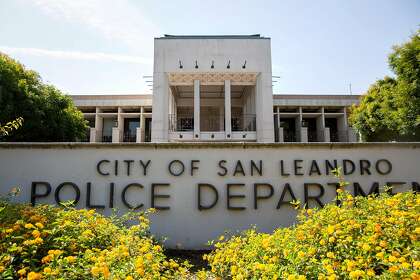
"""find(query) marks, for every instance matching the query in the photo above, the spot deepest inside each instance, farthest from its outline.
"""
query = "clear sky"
(106, 46)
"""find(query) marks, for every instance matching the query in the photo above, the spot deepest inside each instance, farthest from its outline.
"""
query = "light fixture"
(180, 65)
(212, 64)
(244, 66)
(228, 66)
(196, 65)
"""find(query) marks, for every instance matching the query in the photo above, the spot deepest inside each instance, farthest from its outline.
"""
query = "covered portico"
(212, 106)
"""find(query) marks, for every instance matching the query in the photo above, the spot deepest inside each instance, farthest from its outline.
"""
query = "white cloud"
(119, 21)
(76, 55)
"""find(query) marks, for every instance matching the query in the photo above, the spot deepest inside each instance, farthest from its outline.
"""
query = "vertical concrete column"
(321, 127)
(228, 115)
(99, 124)
(160, 123)
(279, 128)
(196, 109)
(343, 129)
(299, 127)
(117, 131)
(281, 135)
(304, 134)
(138, 129)
(327, 137)
(92, 135)
(142, 124)
(221, 117)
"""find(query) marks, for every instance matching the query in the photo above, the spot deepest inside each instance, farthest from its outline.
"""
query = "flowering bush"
(47, 242)
(365, 237)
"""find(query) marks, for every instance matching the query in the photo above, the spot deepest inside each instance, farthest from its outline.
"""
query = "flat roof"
(252, 36)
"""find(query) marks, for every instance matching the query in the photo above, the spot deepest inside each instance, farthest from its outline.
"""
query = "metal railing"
(181, 122)
(245, 122)
(312, 136)
(289, 136)
(129, 137)
(107, 138)
(339, 136)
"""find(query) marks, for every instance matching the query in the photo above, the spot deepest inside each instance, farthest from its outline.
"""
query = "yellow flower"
(34, 276)
(2, 268)
(301, 254)
(332, 277)
(221, 238)
(330, 229)
(95, 271)
(393, 268)
(47, 270)
(39, 225)
(29, 226)
(370, 272)
(405, 265)
(129, 277)
(36, 233)
(38, 240)
(330, 255)
(392, 259)
(356, 274)
(46, 259)
(71, 259)
(22, 272)
(366, 247)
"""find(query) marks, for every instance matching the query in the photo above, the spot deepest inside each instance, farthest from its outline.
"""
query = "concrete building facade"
(215, 88)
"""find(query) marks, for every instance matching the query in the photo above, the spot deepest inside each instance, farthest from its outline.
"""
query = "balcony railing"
(339, 136)
(107, 138)
(246, 122)
(129, 137)
(181, 122)
(289, 136)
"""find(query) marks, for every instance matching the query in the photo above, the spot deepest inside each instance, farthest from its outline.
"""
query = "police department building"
(215, 88)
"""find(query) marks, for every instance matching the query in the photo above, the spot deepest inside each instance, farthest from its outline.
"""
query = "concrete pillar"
(92, 135)
(327, 137)
(160, 110)
(323, 137)
(304, 134)
(264, 107)
(115, 135)
(138, 135)
(353, 135)
(228, 115)
(299, 120)
(196, 109)
(142, 125)
(99, 125)
(281, 135)
(221, 117)
(120, 127)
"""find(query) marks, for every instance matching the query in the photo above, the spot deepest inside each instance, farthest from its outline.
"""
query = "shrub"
(52, 242)
(365, 237)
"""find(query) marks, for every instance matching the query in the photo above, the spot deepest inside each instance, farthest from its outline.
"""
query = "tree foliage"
(49, 114)
(390, 110)
(10, 126)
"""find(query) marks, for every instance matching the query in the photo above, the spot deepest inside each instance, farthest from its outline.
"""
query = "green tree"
(49, 114)
(390, 110)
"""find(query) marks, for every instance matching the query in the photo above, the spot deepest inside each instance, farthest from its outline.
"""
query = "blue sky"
(106, 46)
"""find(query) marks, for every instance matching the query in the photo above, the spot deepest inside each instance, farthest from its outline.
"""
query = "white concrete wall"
(256, 52)
(184, 225)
